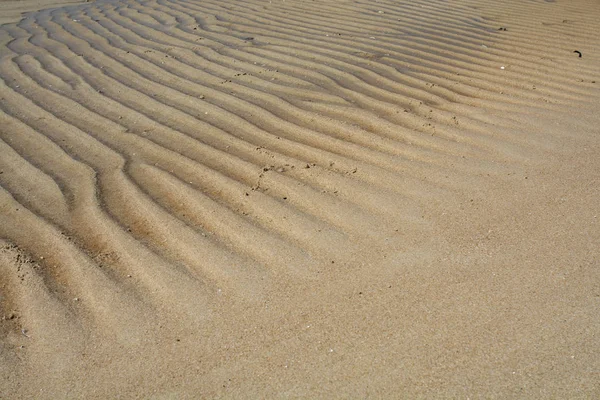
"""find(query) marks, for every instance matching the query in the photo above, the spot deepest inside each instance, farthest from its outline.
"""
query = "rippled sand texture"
(300, 198)
(13, 10)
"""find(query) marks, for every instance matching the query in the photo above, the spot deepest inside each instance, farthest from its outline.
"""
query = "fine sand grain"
(14, 10)
(319, 199)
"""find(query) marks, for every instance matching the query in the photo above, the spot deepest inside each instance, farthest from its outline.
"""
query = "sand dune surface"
(315, 199)
(14, 10)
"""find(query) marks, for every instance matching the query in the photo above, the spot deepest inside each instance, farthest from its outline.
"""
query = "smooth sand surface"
(305, 199)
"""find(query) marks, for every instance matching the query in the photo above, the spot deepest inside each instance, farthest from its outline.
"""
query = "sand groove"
(143, 84)
(209, 150)
(150, 84)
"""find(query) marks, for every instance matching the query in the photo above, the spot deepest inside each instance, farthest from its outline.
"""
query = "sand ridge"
(300, 199)
(14, 10)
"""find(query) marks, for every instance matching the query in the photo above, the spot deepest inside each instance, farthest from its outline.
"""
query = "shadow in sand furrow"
(341, 18)
(268, 127)
(103, 182)
(230, 63)
(74, 279)
(340, 64)
(220, 100)
(31, 186)
(307, 31)
(86, 98)
(343, 221)
(167, 99)
(438, 128)
(231, 228)
(158, 35)
(326, 206)
(229, 197)
(108, 244)
(34, 319)
(477, 54)
(232, 42)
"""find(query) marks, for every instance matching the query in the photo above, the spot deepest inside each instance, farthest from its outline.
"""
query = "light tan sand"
(318, 199)
(13, 10)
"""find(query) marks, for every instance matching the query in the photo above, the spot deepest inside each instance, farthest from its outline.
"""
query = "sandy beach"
(300, 199)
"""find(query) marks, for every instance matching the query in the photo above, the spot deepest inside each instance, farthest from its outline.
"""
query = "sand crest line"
(171, 168)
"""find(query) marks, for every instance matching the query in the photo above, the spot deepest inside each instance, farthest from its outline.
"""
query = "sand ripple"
(156, 151)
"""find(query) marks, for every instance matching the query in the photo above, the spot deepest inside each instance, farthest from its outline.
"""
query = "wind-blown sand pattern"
(14, 10)
(300, 199)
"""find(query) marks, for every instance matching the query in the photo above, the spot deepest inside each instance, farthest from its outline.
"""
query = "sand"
(304, 199)
(14, 10)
